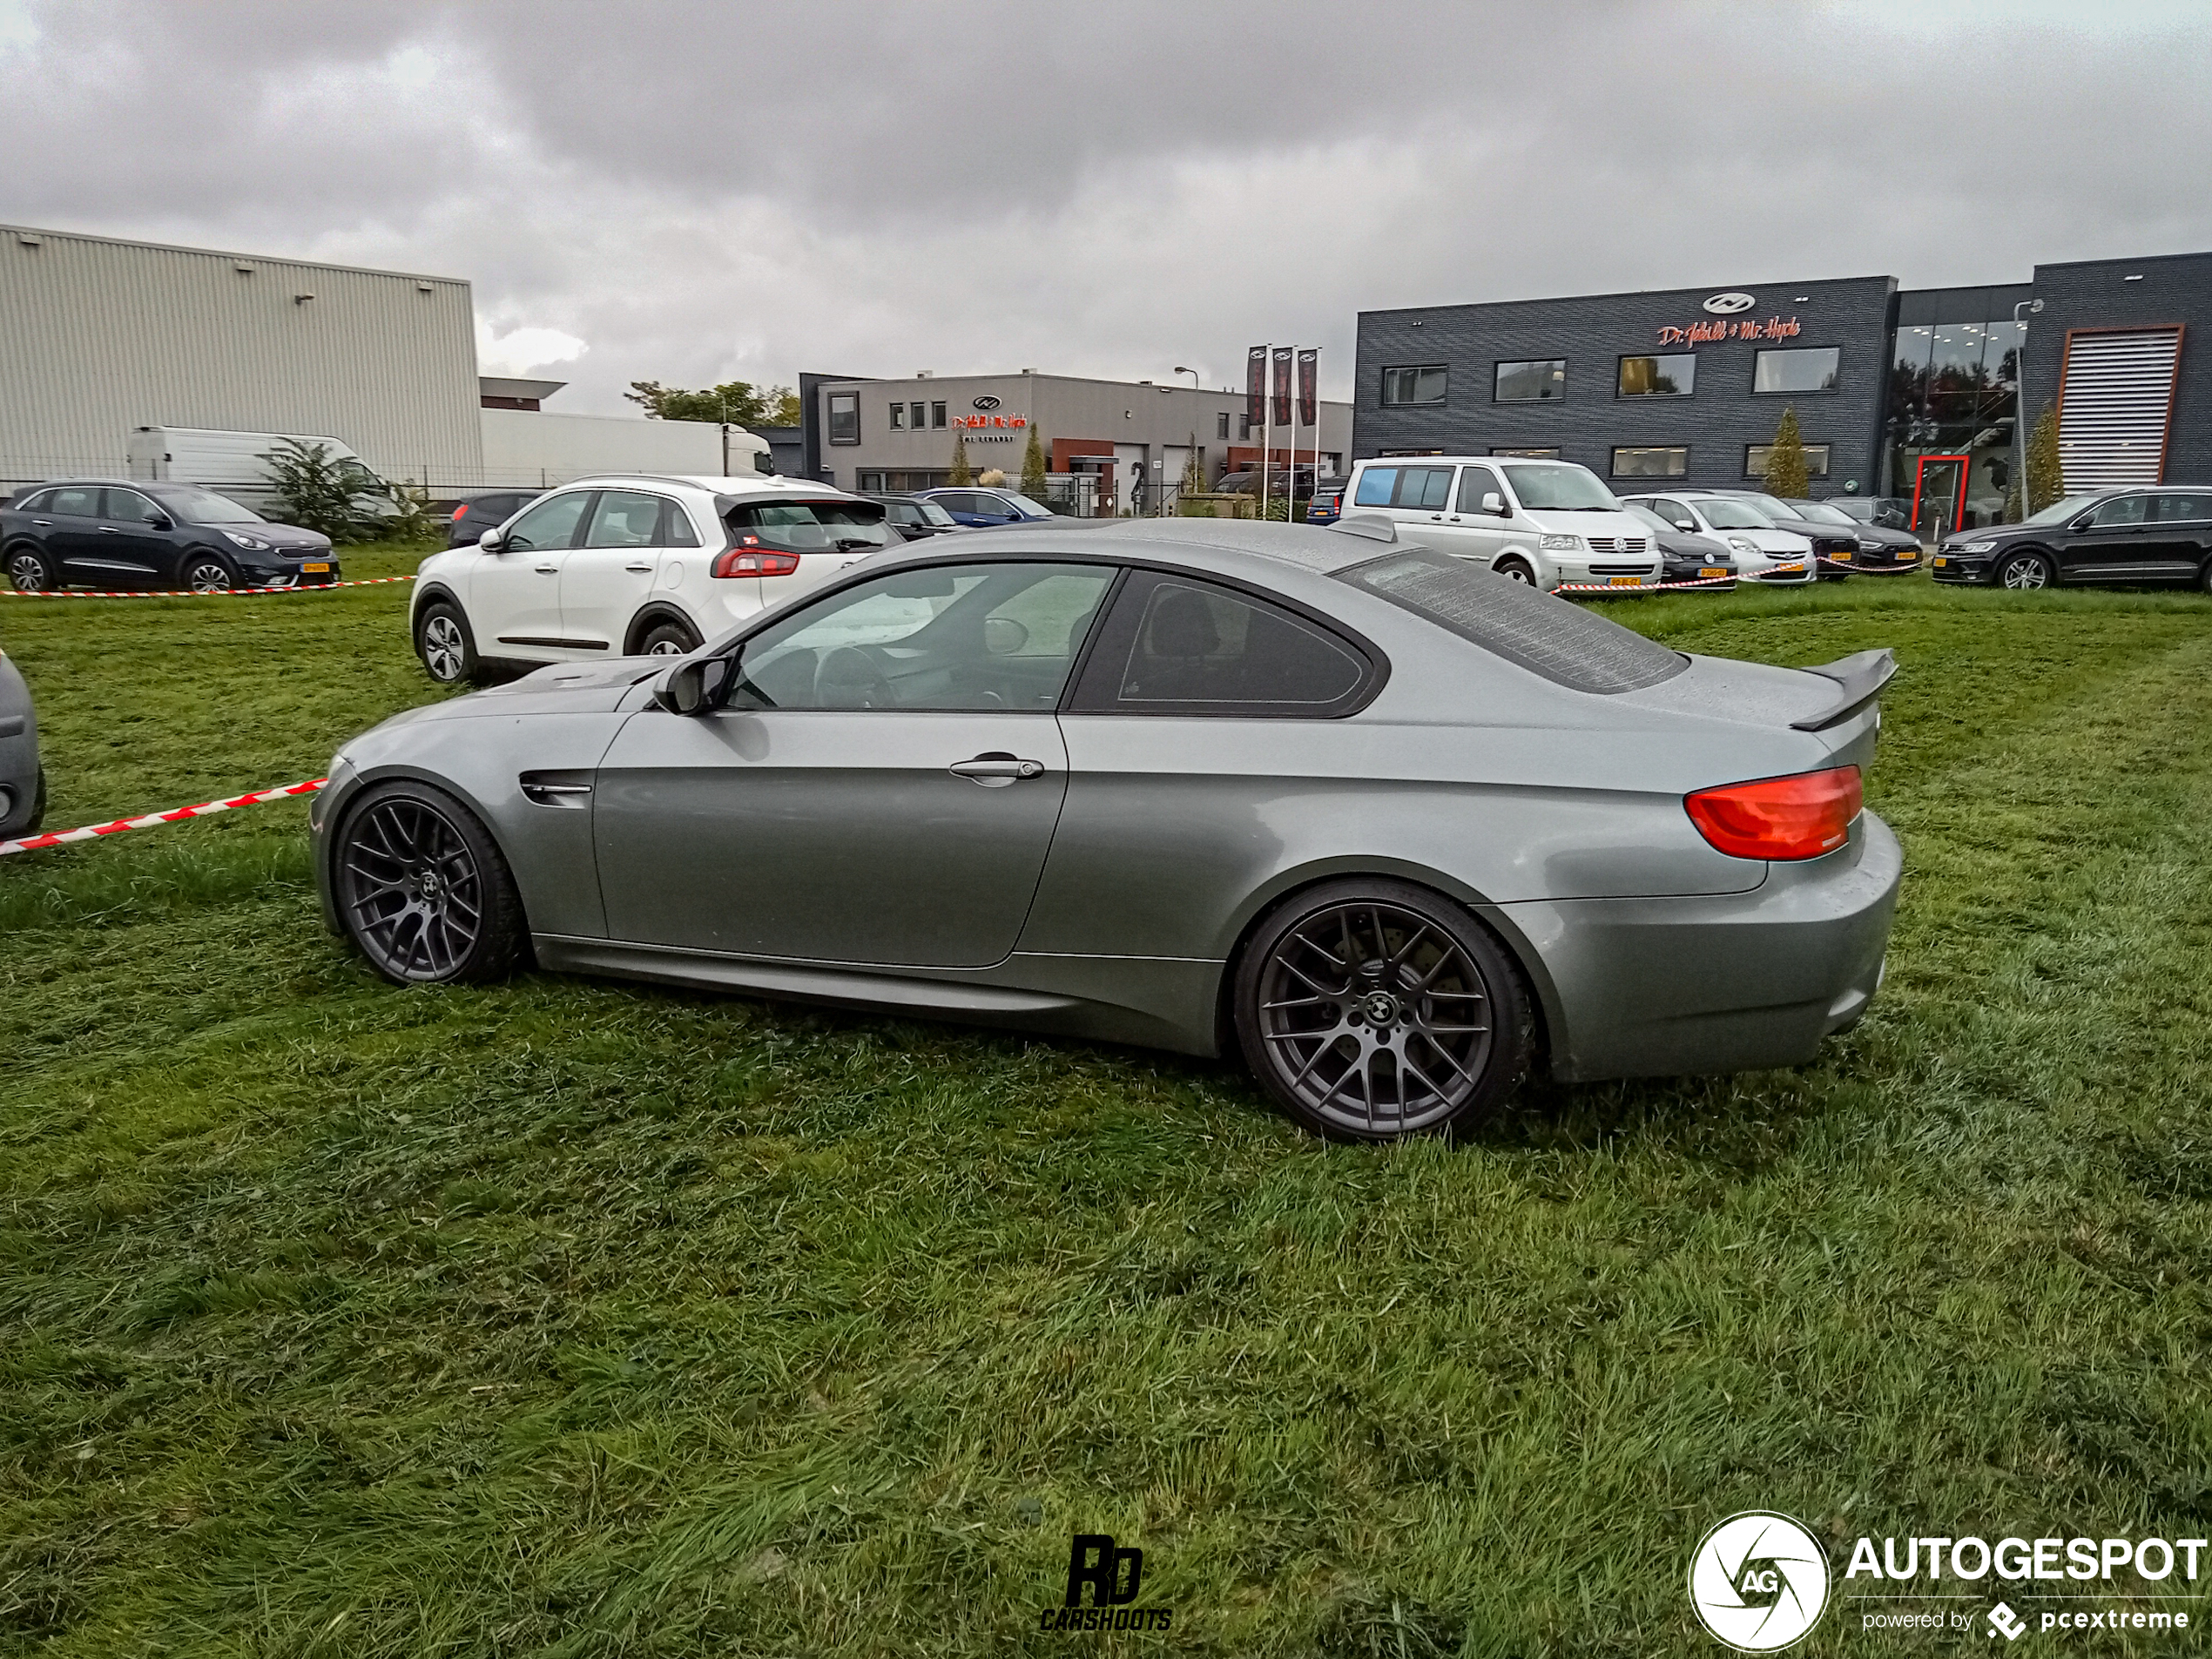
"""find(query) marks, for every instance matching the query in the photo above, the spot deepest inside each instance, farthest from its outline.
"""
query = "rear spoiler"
(1861, 677)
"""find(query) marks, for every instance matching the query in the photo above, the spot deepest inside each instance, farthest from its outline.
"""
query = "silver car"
(23, 781)
(1397, 829)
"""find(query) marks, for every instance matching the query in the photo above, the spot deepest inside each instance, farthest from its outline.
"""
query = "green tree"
(2046, 478)
(1033, 467)
(1786, 474)
(319, 490)
(1194, 472)
(739, 403)
(963, 473)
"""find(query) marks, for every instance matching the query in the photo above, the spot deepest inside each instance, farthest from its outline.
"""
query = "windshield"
(1821, 513)
(1024, 506)
(1729, 513)
(1772, 506)
(205, 507)
(933, 513)
(1638, 511)
(814, 526)
(2059, 511)
(1561, 489)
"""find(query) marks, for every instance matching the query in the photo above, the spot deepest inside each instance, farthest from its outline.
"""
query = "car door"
(2110, 548)
(67, 520)
(608, 574)
(2179, 537)
(1477, 532)
(141, 537)
(514, 592)
(879, 788)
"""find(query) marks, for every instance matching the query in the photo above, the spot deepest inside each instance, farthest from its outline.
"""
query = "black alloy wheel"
(2024, 571)
(30, 569)
(443, 641)
(209, 573)
(422, 889)
(1515, 571)
(1372, 1010)
(668, 639)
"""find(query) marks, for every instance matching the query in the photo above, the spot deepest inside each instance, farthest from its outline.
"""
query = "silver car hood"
(562, 688)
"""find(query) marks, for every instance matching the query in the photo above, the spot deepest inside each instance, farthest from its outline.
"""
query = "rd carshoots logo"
(1114, 1576)
(1760, 1582)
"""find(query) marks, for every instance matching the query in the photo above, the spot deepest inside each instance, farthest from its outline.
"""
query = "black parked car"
(1879, 547)
(1836, 545)
(1684, 556)
(113, 533)
(917, 516)
(2152, 534)
(1890, 512)
(472, 512)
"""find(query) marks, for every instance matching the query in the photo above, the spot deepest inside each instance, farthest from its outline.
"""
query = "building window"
(845, 418)
(1807, 369)
(1647, 461)
(1244, 426)
(936, 415)
(1221, 424)
(1672, 377)
(1403, 386)
(1528, 455)
(898, 417)
(1756, 454)
(917, 417)
(1538, 380)
(870, 482)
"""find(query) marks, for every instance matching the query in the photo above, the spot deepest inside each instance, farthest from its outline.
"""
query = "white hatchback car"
(633, 565)
(1768, 554)
(1544, 522)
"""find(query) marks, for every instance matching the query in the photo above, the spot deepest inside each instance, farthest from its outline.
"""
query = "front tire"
(443, 641)
(208, 573)
(30, 569)
(1372, 1010)
(422, 889)
(1515, 571)
(2024, 572)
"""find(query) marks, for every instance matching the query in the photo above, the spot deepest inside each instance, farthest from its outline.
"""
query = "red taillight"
(748, 557)
(1801, 817)
(461, 512)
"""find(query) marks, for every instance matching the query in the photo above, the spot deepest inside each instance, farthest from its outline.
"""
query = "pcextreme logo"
(1759, 1581)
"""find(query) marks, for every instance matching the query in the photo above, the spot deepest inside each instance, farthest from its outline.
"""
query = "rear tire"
(668, 638)
(2024, 572)
(30, 569)
(422, 889)
(208, 573)
(444, 642)
(1372, 1010)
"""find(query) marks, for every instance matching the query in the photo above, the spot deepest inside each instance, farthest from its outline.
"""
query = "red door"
(1939, 495)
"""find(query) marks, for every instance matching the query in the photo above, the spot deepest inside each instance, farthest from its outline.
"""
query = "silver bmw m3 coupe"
(1394, 828)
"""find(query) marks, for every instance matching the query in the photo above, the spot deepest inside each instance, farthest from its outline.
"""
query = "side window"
(128, 507)
(2129, 510)
(1176, 646)
(676, 526)
(550, 524)
(1475, 482)
(41, 503)
(2184, 509)
(953, 639)
(1674, 513)
(1429, 486)
(1377, 486)
(73, 502)
(625, 518)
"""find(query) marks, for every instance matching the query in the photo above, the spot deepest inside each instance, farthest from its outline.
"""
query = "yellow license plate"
(1840, 558)
(1625, 581)
(1911, 558)
(1715, 569)
(316, 570)
(1938, 561)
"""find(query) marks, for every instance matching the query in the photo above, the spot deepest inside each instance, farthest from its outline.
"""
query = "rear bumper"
(1719, 982)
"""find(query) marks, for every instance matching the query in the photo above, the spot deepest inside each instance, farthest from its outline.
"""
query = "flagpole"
(1266, 422)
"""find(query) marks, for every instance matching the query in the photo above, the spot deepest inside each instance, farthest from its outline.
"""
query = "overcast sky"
(689, 193)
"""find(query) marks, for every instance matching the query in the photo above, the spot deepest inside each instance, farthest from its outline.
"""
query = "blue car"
(1325, 505)
(981, 508)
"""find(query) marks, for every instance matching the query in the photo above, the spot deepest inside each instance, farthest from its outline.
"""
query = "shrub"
(1786, 472)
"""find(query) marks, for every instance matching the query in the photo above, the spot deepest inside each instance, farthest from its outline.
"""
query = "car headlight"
(1561, 544)
(245, 540)
(1975, 547)
(1738, 544)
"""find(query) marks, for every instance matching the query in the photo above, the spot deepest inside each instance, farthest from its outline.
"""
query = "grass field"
(570, 1318)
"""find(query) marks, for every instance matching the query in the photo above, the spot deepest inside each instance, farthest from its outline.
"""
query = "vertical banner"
(1308, 365)
(1282, 386)
(1255, 385)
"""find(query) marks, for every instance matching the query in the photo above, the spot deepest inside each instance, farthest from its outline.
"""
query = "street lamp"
(2019, 398)
(1193, 374)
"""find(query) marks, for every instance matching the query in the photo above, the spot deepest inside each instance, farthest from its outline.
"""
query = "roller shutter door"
(2113, 406)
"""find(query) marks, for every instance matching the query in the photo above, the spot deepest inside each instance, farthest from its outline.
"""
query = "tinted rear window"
(1542, 632)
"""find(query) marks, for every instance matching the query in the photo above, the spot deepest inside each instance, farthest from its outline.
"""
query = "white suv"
(633, 565)
(1544, 522)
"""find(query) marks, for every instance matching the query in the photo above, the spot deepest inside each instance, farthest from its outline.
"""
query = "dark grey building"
(1910, 394)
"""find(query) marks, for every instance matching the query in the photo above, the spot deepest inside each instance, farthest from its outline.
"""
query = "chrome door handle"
(642, 570)
(995, 770)
(549, 570)
(110, 529)
(44, 523)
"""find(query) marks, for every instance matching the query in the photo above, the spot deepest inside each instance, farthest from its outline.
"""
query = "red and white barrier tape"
(94, 832)
(1740, 576)
(188, 593)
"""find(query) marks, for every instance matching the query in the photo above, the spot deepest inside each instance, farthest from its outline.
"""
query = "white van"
(1544, 522)
(227, 463)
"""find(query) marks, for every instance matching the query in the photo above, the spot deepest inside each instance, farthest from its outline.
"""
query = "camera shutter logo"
(986, 401)
(1727, 305)
(1758, 1581)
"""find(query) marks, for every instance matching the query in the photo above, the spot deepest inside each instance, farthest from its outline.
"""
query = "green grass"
(570, 1318)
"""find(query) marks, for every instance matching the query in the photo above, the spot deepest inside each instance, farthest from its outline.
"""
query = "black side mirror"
(161, 522)
(693, 686)
(2083, 522)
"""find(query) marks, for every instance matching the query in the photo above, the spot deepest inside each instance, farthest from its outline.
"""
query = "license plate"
(1938, 561)
(1913, 558)
(1624, 581)
(1840, 558)
(1715, 569)
(316, 570)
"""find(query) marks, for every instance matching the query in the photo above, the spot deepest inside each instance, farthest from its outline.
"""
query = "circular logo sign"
(986, 401)
(1758, 1581)
(1727, 305)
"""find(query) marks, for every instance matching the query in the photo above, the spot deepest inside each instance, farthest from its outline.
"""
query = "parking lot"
(657, 1322)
